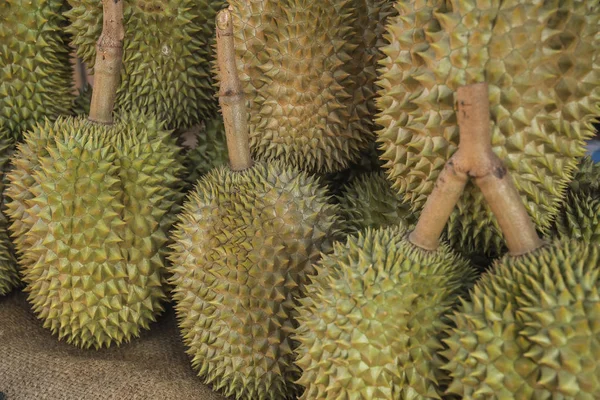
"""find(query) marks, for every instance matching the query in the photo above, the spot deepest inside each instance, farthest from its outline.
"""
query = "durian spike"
(475, 159)
(231, 96)
(109, 59)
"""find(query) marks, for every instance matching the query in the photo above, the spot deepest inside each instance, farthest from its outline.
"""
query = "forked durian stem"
(109, 59)
(231, 96)
(475, 159)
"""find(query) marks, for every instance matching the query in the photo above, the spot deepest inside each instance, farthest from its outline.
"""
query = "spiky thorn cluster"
(35, 72)
(542, 65)
(9, 277)
(244, 245)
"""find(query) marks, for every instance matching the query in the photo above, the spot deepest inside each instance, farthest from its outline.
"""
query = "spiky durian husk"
(296, 65)
(542, 64)
(370, 202)
(35, 71)
(81, 104)
(210, 151)
(166, 59)
(370, 323)
(9, 277)
(587, 177)
(531, 328)
(90, 209)
(243, 248)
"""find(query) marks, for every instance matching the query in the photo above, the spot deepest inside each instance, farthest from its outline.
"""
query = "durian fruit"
(167, 53)
(304, 76)
(579, 216)
(530, 330)
(90, 206)
(209, 152)
(81, 104)
(9, 277)
(370, 324)
(244, 246)
(370, 202)
(35, 71)
(542, 64)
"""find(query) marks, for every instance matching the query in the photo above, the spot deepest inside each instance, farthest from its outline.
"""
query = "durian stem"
(475, 159)
(231, 96)
(109, 59)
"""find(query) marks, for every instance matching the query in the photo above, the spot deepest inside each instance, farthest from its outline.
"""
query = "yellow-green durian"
(244, 246)
(370, 202)
(9, 277)
(579, 215)
(90, 207)
(166, 56)
(306, 81)
(531, 329)
(372, 318)
(541, 60)
(35, 71)
(209, 152)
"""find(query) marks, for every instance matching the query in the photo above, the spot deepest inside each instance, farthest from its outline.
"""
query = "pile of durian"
(385, 199)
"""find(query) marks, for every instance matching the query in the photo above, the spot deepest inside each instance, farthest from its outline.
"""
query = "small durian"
(302, 71)
(90, 203)
(244, 245)
(167, 53)
(541, 60)
(530, 330)
(370, 202)
(35, 69)
(210, 151)
(9, 276)
(372, 318)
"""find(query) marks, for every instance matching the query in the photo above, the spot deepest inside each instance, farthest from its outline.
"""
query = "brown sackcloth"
(35, 365)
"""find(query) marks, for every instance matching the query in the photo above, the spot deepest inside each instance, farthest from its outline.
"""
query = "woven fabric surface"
(35, 365)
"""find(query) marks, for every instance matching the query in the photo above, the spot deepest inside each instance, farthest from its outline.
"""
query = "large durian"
(370, 202)
(210, 151)
(308, 69)
(542, 63)
(9, 277)
(35, 71)
(167, 53)
(244, 246)
(371, 322)
(90, 205)
(530, 330)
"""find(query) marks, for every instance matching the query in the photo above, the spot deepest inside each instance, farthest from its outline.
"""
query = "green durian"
(372, 318)
(167, 53)
(531, 329)
(209, 152)
(9, 276)
(370, 202)
(579, 215)
(302, 73)
(90, 207)
(35, 69)
(244, 246)
(542, 64)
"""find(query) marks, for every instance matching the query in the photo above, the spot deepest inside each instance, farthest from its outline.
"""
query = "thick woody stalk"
(231, 96)
(475, 159)
(109, 59)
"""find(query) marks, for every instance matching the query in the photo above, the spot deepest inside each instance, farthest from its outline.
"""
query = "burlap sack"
(35, 365)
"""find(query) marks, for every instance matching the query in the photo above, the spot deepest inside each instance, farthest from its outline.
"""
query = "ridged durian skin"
(166, 56)
(9, 277)
(90, 208)
(370, 202)
(244, 246)
(542, 64)
(531, 328)
(371, 319)
(295, 60)
(210, 151)
(579, 215)
(35, 71)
